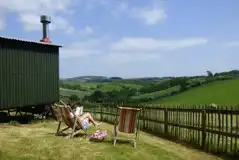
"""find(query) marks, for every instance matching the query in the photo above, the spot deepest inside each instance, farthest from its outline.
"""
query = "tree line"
(124, 95)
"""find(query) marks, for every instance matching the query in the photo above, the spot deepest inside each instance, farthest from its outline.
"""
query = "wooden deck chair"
(71, 122)
(127, 121)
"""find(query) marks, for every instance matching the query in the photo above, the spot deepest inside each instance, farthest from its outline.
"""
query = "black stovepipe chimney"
(45, 20)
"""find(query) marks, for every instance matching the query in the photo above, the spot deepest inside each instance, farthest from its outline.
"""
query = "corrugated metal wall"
(29, 74)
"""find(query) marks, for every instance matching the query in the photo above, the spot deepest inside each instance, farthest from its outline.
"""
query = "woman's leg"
(89, 117)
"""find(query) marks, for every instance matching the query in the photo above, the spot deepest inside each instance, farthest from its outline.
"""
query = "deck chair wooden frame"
(73, 123)
(127, 121)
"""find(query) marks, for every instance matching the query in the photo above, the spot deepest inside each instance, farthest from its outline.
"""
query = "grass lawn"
(221, 92)
(36, 141)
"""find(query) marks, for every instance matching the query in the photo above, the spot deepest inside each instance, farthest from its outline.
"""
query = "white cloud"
(86, 31)
(150, 16)
(122, 57)
(40, 6)
(233, 44)
(128, 50)
(101, 56)
(107, 4)
(60, 23)
(70, 52)
(152, 44)
(82, 48)
(118, 58)
(31, 22)
(29, 11)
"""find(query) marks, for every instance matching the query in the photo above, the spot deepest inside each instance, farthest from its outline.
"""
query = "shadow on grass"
(106, 140)
(66, 135)
(21, 119)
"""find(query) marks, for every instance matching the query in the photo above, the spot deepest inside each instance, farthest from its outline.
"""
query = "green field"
(91, 87)
(158, 93)
(219, 88)
(104, 86)
(88, 86)
(68, 92)
(220, 92)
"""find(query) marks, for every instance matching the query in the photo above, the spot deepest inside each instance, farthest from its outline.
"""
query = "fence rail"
(213, 130)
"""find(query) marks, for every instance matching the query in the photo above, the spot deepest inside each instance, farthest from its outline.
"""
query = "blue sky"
(132, 38)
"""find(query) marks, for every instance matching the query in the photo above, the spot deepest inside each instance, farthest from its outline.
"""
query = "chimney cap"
(45, 19)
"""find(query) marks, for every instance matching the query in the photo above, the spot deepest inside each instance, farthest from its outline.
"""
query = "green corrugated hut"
(29, 72)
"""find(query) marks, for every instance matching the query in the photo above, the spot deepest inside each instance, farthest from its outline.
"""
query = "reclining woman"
(85, 119)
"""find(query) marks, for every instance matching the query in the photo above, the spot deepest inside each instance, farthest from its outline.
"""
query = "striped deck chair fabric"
(68, 119)
(57, 113)
(127, 122)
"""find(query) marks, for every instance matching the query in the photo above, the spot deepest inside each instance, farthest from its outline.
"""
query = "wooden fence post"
(166, 121)
(204, 131)
(143, 117)
(101, 116)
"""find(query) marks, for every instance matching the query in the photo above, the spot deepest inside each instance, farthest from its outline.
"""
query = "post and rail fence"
(214, 130)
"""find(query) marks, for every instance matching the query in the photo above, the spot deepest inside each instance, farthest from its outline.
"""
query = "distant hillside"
(219, 92)
(88, 79)
(68, 92)
(156, 89)
(100, 79)
(144, 80)
(157, 94)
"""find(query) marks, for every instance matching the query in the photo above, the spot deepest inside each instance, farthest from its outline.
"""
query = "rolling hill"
(69, 92)
(157, 93)
(219, 92)
(85, 79)
(100, 79)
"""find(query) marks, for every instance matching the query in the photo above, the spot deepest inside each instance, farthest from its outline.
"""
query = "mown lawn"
(37, 141)
(221, 92)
